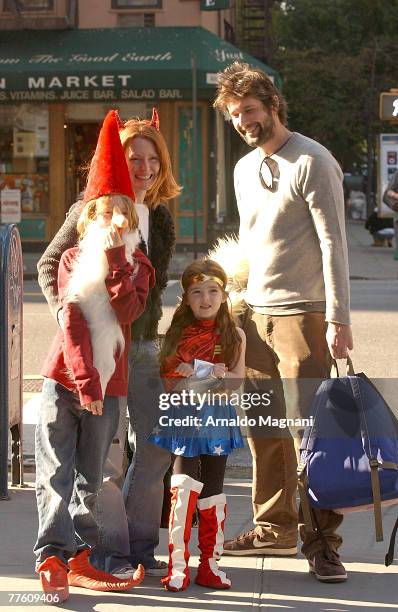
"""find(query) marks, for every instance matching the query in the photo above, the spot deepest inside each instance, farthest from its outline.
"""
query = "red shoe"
(82, 574)
(185, 491)
(54, 579)
(212, 512)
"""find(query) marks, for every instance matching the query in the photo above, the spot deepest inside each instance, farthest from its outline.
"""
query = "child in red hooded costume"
(103, 284)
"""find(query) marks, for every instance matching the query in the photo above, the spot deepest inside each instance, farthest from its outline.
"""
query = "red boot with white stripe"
(212, 512)
(185, 492)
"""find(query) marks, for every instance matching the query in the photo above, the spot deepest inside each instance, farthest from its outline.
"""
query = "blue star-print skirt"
(189, 431)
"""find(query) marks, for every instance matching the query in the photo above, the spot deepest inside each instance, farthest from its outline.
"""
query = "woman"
(153, 182)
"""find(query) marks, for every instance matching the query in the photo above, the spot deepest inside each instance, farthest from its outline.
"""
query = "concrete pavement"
(268, 583)
(258, 583)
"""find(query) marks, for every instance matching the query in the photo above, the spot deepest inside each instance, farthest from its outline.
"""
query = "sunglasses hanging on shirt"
(269, 174)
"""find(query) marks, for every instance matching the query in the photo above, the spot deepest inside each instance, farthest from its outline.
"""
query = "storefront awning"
(113, 64)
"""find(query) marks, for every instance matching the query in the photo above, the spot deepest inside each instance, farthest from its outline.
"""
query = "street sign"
(213, 5)
(387, 166)
(388, 107)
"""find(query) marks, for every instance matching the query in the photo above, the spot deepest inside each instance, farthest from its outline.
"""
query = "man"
(390, 197)
(290, 199)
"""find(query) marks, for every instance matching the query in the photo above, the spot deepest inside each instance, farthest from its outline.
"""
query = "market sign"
(90, 88)
(388, 107)
(214, 5)
(113, 64)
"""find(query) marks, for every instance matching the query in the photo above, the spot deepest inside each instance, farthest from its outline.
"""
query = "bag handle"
(334, 370)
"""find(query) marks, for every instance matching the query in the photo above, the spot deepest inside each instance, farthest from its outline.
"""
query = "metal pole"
(194, 157)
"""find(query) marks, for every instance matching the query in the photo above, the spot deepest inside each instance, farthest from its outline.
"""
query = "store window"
(131, 4)
(24, 155)
(28, 5)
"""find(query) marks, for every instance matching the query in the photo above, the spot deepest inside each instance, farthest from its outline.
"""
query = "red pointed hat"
(109, 173)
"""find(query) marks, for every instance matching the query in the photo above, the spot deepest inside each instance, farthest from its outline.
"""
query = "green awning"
(113, 64)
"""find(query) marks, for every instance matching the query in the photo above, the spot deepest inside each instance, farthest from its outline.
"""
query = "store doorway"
(81, 141)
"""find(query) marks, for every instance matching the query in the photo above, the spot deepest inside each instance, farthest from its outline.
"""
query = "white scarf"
(87, 288)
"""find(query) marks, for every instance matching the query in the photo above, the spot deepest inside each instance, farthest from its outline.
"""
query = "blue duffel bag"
(349, 455)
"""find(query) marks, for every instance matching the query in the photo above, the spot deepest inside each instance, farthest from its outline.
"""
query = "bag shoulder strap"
(375, 481)
(389, 558)
(302, 485)
(373, 461)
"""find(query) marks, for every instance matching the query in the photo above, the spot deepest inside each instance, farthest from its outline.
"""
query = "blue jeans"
(113, 550)
(143, 486)
(71, 447)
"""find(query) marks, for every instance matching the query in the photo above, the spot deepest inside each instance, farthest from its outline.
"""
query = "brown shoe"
(327, 567)
(251, 543)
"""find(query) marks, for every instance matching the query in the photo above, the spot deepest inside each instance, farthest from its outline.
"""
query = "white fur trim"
(219, 543)
(217, 572)
(231, 254)
(87, 288)
(179, 547)
(184, 481)
(209, 502)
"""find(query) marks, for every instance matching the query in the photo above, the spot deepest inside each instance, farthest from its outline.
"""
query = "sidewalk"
(365, 261)
(268, 583)
(178, 263)
(262, 583)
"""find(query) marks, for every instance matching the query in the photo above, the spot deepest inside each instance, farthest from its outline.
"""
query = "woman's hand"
(219, 370)
(113, 238)
(94, 407)
(185, 370)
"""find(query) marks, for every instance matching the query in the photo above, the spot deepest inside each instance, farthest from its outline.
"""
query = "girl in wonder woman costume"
(202, 336)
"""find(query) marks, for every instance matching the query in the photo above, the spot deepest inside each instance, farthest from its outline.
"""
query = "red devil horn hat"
(155, 119)
(109, 174)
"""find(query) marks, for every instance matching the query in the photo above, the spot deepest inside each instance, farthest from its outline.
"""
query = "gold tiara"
(202, 278)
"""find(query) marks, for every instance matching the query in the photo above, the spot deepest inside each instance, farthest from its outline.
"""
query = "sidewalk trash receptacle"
(11, 301)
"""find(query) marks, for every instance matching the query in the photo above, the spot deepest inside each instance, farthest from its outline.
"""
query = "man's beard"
(264, 133)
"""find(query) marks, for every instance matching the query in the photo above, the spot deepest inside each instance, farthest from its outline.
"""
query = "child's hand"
(219, 370)
(185, 369)
(94, 407)
(119, 219)
(113, 238)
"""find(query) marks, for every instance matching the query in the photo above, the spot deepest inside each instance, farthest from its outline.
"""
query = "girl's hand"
(219, 370)
(113, 238)
(94, 407)
(185, 369)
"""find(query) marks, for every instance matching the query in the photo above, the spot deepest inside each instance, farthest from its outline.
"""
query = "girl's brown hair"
(230, 339)
(89, 213)
(165, 187)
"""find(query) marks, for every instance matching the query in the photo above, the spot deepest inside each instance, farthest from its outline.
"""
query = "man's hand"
(185, 369)
(339, 339)
(94, 407)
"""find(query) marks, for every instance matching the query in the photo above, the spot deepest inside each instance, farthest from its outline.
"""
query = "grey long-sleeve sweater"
(295, 235)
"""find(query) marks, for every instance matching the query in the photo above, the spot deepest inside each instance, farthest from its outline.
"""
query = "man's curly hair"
(240, 80)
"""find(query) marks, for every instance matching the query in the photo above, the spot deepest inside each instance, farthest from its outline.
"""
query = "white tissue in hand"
(202, 369)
